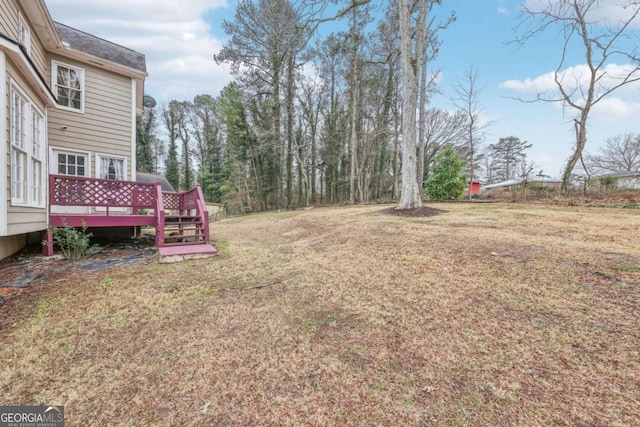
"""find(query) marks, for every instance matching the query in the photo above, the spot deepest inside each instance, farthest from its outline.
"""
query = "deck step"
(181, 253)
(187, 243)
(181, 219)
(181, 232)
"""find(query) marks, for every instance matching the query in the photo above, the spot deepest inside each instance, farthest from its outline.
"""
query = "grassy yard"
(484, 315)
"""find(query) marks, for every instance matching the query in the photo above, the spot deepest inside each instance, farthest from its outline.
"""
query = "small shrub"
(74, 243)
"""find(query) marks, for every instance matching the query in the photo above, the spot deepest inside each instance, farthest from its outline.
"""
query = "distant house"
(509, 185)
(68, 107)
(620, 179)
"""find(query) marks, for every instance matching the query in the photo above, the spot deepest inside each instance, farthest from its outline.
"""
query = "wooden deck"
(180, 219)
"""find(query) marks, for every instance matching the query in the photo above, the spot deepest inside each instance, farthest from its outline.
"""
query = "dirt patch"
(412, 213)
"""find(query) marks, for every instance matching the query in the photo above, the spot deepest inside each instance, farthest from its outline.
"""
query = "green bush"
(446, 180)
(73, 242)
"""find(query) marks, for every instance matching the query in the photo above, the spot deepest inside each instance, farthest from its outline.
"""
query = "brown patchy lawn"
(483, 315)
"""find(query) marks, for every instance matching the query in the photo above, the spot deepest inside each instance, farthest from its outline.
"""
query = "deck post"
(159, 213)
(47, 242)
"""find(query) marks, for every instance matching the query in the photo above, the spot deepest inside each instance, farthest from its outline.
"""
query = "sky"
(180, 37)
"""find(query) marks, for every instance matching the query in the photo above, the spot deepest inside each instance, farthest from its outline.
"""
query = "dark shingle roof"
(153, 178)
(101, 48)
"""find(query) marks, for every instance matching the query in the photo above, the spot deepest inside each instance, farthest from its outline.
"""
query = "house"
(620, 179)
(68, 107)
(511, 184)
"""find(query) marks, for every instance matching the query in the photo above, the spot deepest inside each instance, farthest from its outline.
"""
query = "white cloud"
(502, 10)
(173, 35)
(575, 79)
(613, 109)
(620, 108)
(540, 84)
(606, 12)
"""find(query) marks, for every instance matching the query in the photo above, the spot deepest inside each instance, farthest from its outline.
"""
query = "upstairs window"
(69, 86)
(24, 34)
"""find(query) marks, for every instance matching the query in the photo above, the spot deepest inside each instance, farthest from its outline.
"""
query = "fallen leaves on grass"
(484, 315)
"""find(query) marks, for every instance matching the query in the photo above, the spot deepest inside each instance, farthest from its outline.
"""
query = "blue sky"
(179, 38)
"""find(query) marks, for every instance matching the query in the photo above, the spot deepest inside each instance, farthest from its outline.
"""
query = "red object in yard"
(475, 188)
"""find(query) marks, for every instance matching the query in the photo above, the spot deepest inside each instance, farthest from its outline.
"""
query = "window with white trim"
(68, 82)
(111, 167)
(18, 152)
(72, 164)
(24, 34)
(27, 151)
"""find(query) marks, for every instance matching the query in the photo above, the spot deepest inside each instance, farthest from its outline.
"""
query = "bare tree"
(441, 128)
(467, 100)
(430, 49)
(582, 23)
(620, 153)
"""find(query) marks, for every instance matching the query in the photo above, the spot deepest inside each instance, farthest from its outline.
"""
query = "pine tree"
(172, 167)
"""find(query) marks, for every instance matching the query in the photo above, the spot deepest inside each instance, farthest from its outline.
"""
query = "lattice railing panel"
(78, 191)
(171, 201)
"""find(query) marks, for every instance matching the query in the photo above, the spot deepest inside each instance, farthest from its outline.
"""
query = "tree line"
(316, 120)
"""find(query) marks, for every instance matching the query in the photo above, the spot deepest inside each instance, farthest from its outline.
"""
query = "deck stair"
(180, 230)
(183, 226)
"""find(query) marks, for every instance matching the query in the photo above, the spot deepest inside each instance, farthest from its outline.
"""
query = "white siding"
(9, 13)
(5, 173)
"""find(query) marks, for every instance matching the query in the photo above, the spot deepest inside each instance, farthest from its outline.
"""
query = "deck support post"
(47, 242)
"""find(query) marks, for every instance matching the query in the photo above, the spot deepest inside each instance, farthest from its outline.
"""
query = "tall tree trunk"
(422, 122)
(290, 119)
(581, 141)
(411, 196)
(354, 120)
(396, 153)
(276, 178)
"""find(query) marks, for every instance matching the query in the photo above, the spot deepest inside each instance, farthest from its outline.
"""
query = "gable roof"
(100, 48)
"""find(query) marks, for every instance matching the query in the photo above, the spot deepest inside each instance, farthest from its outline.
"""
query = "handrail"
(204, 214)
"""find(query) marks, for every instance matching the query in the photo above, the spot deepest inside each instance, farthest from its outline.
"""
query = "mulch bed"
(30, 268)
(412, 213)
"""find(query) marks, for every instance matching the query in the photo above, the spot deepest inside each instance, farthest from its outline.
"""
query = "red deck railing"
(107, 193)
(114, 203)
